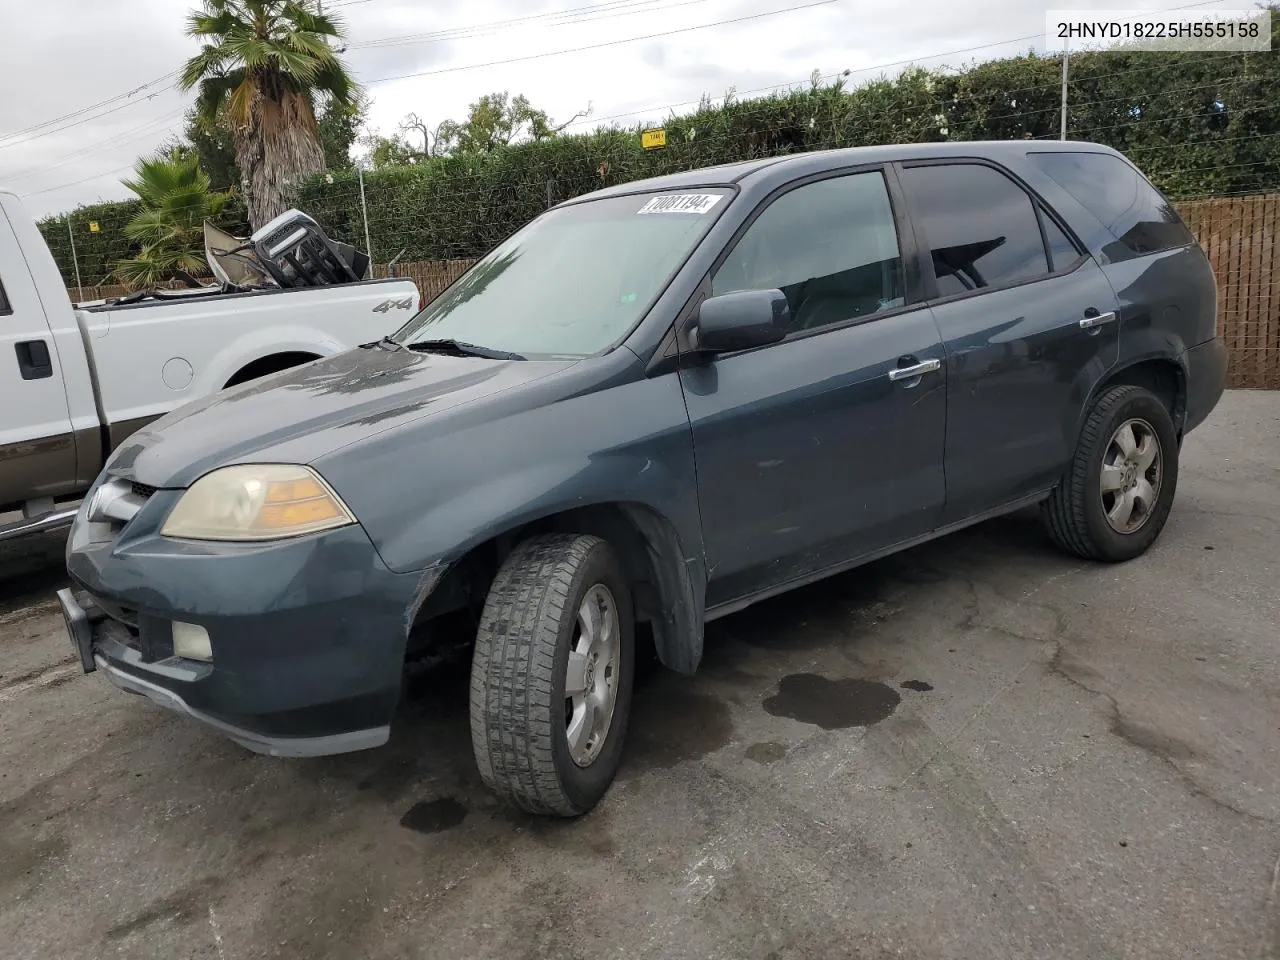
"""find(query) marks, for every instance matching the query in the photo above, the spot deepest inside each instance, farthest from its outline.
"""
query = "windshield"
(573, 282)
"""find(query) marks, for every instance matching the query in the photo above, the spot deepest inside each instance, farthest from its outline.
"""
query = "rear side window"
(4, 301)
(1134, 211)
(1062, 252)
(981, 227)
(830, 246)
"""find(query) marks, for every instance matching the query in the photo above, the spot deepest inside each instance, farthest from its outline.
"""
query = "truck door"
(37, 445)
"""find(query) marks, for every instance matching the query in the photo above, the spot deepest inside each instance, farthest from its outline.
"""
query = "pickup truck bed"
(76, 381)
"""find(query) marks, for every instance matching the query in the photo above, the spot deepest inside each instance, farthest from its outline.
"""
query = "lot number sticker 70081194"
(681, 203)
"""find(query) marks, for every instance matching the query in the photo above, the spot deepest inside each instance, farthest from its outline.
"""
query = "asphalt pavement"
(978, 749)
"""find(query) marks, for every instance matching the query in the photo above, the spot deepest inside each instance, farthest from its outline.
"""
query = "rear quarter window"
(4, 301)
(1137, 215)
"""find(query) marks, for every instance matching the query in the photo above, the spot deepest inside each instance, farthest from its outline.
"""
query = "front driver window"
(830, 246)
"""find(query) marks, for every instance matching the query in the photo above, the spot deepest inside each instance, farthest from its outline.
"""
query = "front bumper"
(308, 635)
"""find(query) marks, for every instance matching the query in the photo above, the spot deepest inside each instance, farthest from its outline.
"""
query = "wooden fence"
(1238, 233)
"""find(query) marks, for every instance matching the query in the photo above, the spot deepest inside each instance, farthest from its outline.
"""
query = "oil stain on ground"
(919, 686)
(832, 704)
(672, 723)
(768, 752)
(433, 816)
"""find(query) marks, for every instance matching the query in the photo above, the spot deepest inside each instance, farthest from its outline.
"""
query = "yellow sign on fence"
(653, 139)
(93, 226)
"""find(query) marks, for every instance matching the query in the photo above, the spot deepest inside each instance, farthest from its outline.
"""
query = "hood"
(303, 413)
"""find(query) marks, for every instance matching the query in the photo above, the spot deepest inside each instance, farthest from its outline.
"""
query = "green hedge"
(98, 252)
(1199, 123)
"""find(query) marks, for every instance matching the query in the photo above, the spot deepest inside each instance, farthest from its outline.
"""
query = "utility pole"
(74, 259)
(1063, 134)
(364, 212)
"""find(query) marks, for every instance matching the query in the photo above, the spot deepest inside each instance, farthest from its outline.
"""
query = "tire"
(1076, 513)
(520, 727)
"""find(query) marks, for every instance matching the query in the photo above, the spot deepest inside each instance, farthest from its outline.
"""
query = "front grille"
(118, 612)
(114, 504)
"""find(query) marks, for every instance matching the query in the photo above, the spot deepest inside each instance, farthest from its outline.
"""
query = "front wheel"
(1118, 490)
(552, 673)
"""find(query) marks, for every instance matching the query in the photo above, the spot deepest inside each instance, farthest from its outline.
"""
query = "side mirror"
(740, 321)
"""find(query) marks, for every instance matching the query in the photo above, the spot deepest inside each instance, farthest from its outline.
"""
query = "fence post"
(364, 213)
(74, 259)
(550, 185)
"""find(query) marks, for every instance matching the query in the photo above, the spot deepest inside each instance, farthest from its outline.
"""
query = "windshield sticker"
(681, 203)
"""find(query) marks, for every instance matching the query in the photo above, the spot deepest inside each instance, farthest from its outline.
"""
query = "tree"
(392, 151)
(176, 199)
(216, 150)
(338, 126)
(498, 120)
(435, 143)
(495, 120)
(259, 72)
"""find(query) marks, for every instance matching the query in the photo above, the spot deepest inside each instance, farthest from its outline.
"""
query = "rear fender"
(1157, 348)
(257, 346)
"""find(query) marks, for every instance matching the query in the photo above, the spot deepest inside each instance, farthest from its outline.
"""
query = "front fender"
(431, 492)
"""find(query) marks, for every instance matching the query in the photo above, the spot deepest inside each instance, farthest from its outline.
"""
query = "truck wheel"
(551, 676)
(1118, 490)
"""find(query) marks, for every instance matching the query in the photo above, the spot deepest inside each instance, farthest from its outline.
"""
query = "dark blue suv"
(660, 403)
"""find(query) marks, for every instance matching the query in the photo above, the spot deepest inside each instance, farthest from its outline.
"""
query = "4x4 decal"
(387, 305)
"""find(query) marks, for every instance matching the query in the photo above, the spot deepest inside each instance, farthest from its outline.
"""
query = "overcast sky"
(58, 57)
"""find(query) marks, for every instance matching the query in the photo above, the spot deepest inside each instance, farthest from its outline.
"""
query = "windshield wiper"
(464, 349)
(386, 343)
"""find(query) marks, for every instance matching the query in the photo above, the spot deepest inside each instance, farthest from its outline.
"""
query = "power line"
(587, 14)
(605, 9)
(830, 76)
(899, 63)
(127, 95)
(96, 146)
(66, 121)
(74, 183)
(609, 43)
(73, 123)
(618, 3)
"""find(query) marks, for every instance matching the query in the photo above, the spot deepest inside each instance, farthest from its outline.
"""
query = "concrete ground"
(979, 749)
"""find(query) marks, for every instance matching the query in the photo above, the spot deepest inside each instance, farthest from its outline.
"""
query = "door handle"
(34, 362)
(1089, 323)
(915, 370)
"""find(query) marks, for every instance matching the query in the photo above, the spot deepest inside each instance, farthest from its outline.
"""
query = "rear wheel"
(1117, 493)
(552, 674)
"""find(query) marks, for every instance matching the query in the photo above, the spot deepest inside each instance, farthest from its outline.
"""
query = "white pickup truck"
(76, 381)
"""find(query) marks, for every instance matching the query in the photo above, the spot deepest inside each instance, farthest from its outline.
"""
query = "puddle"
(832, 704)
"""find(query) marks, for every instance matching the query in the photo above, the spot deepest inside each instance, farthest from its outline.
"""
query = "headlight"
(256, 501)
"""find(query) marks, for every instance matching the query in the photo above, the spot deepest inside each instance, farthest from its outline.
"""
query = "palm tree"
(176, 200)
(259, 71)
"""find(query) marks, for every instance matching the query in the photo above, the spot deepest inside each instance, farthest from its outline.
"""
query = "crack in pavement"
(1169, 750)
